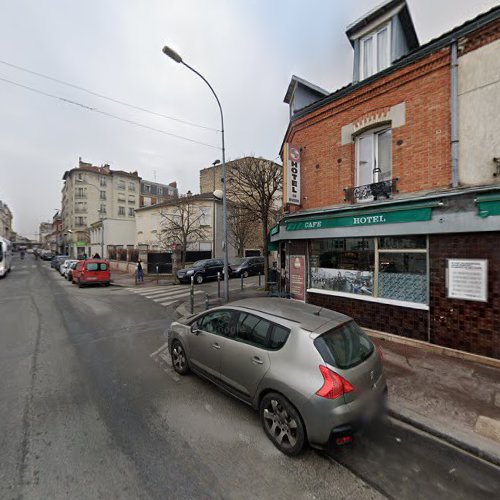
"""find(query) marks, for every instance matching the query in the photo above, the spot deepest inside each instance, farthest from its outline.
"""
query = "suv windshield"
(344, 346)
(237, 262)
(200, 263)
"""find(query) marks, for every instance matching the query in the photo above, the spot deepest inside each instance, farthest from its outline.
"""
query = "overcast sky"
(247, 49)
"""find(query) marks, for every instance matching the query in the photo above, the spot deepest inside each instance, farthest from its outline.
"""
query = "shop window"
(393, 268)
(343, 265)
(403, 276)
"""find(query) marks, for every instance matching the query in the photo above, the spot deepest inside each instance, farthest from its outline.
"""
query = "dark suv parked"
(201, 270)
(247, 266)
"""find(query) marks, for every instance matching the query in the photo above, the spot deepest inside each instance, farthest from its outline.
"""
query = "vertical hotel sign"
(292, 174)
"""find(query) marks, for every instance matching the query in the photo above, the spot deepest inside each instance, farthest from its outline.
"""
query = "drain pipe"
(454, 113)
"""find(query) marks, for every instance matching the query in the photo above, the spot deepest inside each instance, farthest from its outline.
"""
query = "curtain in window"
(382, 49)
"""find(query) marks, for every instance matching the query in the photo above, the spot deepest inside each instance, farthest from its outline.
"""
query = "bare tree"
(181, 224)
(241, 225)
(255, 185)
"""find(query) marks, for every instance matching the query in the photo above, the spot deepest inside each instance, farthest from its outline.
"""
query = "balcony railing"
(376, 190)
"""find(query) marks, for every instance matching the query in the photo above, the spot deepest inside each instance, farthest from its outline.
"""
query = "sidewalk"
(122, 278)
(453, 399)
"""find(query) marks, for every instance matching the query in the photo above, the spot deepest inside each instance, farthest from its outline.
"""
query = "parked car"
(247, 266)
(312, 373)
(64, 267)
(91, 271)
(56, 261)
(71, 267)
(201, 270)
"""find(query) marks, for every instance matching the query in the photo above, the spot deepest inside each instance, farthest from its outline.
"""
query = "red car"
(91, 271)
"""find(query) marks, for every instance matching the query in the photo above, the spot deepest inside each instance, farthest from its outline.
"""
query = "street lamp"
(81, 181)
(178, 59)
(214, 164)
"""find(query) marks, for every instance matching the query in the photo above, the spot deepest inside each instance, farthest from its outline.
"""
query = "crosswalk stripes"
(163, 296)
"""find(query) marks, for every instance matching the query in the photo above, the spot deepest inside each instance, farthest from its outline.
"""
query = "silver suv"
(312, 373)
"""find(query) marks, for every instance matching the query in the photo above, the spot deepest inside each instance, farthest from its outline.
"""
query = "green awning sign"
(363, 219)
(274, 230)
(488, 204)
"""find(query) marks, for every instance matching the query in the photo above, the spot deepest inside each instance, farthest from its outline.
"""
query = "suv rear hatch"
(353, 356)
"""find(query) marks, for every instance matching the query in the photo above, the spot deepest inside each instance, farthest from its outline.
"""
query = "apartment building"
(392, 184)
(153, 193)
(5, 221)
(98, 208)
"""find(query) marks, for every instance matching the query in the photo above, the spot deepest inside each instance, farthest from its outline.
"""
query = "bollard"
(242, 281)
(157, 276)
(191, 295)
(207, 302)
(218, 284)
(259, 279)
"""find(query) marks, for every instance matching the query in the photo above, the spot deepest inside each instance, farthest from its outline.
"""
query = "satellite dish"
(219, 194)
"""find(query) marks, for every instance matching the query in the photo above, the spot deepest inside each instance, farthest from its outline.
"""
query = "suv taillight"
(380, 352)
(334, 385)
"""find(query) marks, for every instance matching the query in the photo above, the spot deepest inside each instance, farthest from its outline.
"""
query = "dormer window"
(375, 51)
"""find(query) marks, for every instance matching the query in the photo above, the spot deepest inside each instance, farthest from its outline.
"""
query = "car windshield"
(237, 262)
(344, 346)
(200, 263)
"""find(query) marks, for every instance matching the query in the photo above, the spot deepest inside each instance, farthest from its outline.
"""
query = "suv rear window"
(344, 346)
(96, 266)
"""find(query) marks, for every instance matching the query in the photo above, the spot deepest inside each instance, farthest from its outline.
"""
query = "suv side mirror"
(195, 330)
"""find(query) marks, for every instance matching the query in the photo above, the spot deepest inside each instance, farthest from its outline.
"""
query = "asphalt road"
(86, 412)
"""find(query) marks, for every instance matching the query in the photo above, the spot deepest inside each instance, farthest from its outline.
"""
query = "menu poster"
(297, 276)
(468, 279)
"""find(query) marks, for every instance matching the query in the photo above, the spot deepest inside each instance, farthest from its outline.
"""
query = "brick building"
(393, 184)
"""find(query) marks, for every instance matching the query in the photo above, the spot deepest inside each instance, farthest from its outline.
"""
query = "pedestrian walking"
(96, 256)
(139, 272)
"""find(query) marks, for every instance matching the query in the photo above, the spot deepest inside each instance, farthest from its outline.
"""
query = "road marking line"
(165, 293)
(175, 297)
(171, 290)
(163, 347)
(141, 290)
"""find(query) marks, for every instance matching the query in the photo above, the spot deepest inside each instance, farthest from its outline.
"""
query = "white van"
(5, 256)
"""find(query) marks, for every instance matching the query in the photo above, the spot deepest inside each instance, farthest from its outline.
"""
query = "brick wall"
(420, 148)
(464, 324)
(411, 323)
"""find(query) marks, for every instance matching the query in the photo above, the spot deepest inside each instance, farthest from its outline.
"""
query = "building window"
(80, 192)
(121, 197)
(121, 210)
(131, 199)
(393, 268)
(131, 186)
(131, 212)
(121, 184)
(102, 195)
(374, 156)
(160, 191)
(205, 216)
(102, 181)
(147, 188)
(375, 52)
(102, 210)
(80, 221)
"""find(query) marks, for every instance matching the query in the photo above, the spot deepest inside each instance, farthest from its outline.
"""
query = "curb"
(476, 450)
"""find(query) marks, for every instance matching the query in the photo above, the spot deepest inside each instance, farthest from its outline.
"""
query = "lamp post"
(178, 59)
(100, 217)
(214, 164)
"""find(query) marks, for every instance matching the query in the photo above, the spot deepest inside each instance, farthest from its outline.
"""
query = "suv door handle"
(256, 360)
(215, 346)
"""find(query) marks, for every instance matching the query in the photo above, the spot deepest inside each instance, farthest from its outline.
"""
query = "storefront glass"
(344, 265)
(349, 265)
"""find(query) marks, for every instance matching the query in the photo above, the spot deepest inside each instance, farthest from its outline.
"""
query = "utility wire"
(110, 115)
(72, 85)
